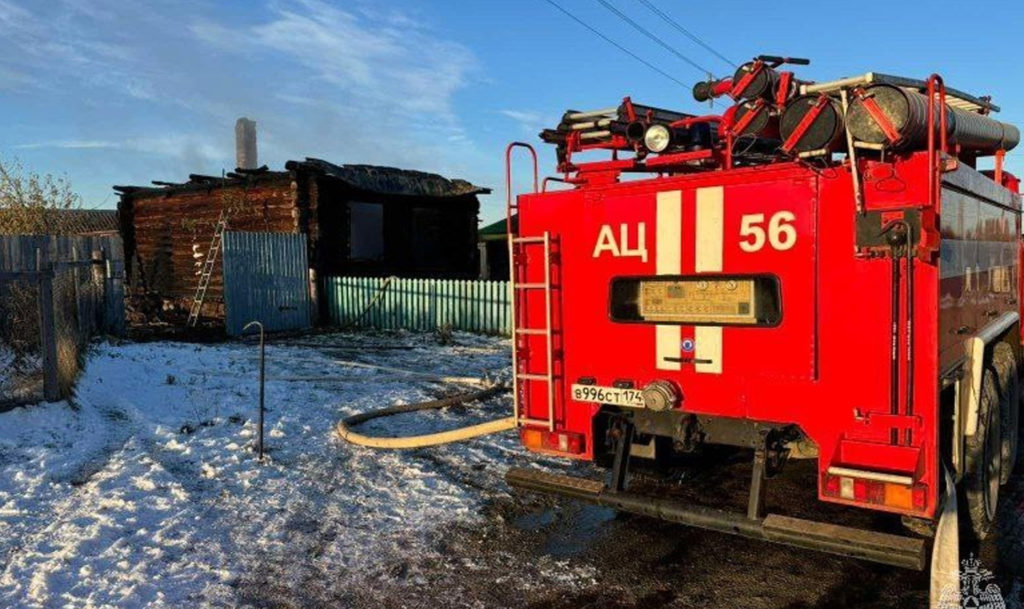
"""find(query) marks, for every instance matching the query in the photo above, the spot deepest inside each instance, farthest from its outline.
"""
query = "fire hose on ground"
(434, 439)
(346, 432)
(344, 427)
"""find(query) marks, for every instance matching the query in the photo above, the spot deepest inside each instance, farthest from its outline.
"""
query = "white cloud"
(385, 60)
(13, 16)
(169, 146)
(14, 80)
(373, 86)
(523, 117)
(349, 83)
(529, 122)
(68, 145)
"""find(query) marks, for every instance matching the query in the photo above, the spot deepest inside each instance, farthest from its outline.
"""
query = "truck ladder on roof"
(954, 98)
(207, 270)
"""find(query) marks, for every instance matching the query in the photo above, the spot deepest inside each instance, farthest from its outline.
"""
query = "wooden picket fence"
(391, 303)
(55, 294)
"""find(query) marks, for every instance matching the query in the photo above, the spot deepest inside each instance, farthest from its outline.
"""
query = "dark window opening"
(366, 231)
(427, 246)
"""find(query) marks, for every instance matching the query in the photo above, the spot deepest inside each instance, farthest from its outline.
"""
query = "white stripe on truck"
(707, 350)
(668, 260)
(709, 230)
(709, 235)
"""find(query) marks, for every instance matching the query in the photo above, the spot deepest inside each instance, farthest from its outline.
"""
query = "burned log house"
(358, 219)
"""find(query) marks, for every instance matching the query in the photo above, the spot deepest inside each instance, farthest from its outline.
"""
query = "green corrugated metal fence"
(419, 304)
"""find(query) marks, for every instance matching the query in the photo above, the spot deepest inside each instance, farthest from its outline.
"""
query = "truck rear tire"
(1005, 363)
(983, 460)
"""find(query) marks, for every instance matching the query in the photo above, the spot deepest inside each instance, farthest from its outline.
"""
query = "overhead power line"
(657, 11)
(704, 71)
(618, 46)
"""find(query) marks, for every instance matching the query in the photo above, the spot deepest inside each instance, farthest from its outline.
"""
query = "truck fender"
(974, 367)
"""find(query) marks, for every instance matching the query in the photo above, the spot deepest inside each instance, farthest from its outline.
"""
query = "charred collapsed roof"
(389, 181)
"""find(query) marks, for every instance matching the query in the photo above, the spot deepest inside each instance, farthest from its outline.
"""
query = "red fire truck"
(822, 268)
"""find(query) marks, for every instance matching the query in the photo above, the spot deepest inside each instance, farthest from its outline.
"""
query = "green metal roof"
(496, 231)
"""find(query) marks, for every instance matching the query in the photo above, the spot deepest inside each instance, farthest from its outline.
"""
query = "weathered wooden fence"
(55, 293)
(418, 304)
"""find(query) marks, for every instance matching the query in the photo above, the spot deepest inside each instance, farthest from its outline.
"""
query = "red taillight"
(831, 486)
(909, 497)
(920, 497)
(556, 441)
(868, 491)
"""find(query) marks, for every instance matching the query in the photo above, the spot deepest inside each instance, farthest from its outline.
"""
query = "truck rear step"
(895, 550)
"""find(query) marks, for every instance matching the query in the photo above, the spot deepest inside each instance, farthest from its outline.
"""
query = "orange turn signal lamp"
(874, 488)
(555, 441)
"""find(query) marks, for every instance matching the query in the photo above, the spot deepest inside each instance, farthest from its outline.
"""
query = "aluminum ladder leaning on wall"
(207, 271)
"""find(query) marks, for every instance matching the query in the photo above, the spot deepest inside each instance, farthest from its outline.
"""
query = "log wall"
(171, 232)
(167, 233)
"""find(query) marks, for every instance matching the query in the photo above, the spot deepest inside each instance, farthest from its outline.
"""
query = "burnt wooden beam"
(198, 177)
(260, 169)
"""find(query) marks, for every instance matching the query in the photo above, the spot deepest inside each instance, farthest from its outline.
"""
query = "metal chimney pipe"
(245, 144)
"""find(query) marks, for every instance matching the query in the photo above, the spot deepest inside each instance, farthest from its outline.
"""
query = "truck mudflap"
(945, 576)
(885, 548)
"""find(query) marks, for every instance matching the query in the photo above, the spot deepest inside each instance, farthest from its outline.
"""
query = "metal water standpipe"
(263, 353)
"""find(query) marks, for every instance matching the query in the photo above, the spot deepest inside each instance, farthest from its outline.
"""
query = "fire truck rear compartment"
(765, 303)
(879, 458)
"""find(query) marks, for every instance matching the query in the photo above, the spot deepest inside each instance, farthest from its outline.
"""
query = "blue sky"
(113, 92)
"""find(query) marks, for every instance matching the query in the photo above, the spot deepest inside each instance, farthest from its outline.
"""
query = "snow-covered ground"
(6, 364)
(145, 491)
(20, 378)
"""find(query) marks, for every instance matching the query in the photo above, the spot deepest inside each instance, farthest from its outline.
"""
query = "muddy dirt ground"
(612, 560)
